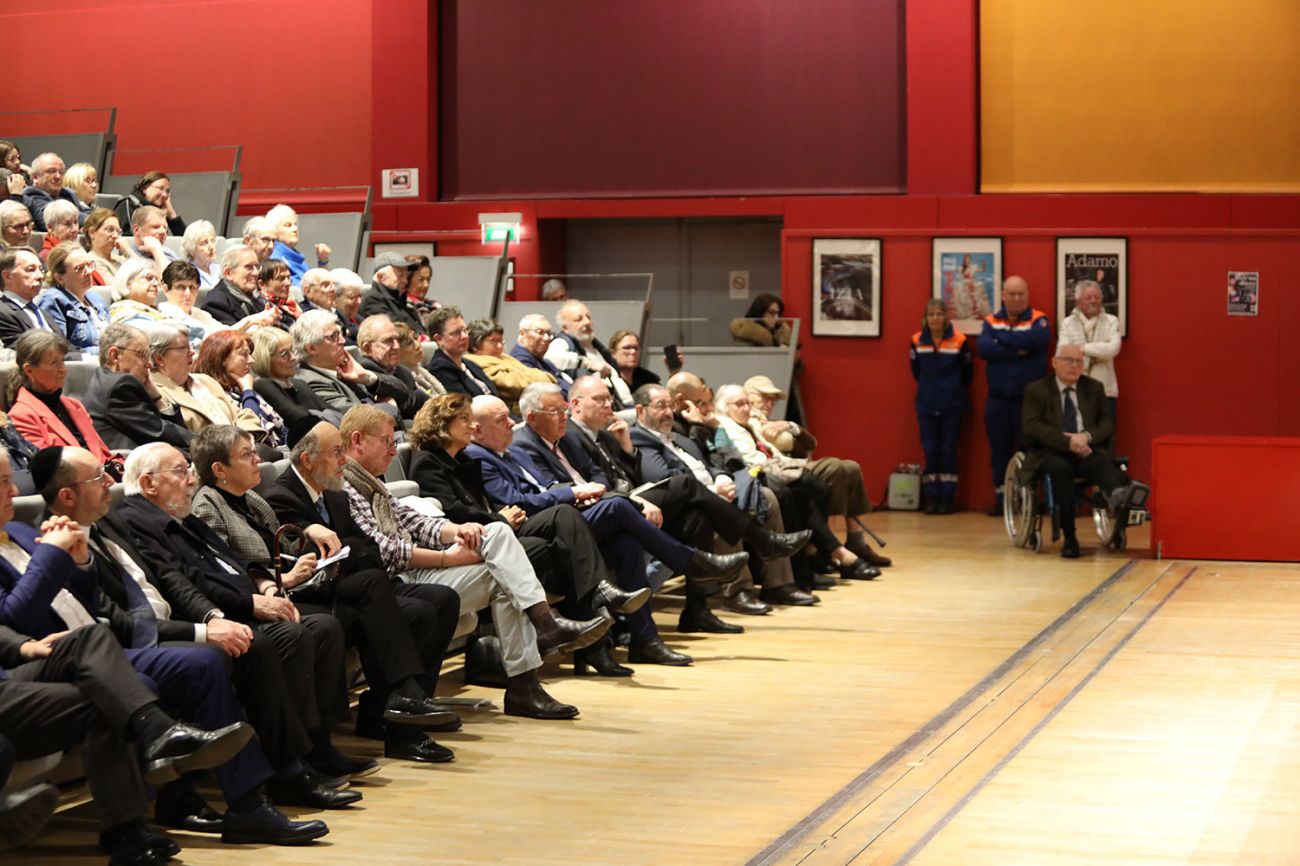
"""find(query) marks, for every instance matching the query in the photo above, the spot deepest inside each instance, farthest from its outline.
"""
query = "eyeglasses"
(184, 348)
(545, 335)
(554, 413)
(244, 454)
(182, 471)
(459, 332)
(97, 479)
(601, 401)
(142, 355)
(660, 405)
(285, 355)
(1073, 361)
(390, 442)
(334, 337)
(23, 226)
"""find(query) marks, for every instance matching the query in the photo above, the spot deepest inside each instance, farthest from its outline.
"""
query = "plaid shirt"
(425, 531)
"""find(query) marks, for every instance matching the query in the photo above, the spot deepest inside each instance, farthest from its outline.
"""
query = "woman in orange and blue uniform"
(942, 366)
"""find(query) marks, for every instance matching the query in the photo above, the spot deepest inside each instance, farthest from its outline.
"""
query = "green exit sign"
(498, 234)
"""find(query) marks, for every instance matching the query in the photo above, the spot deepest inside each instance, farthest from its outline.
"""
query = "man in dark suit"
(205, 581)
(447, 328)
(124, 592)
(381, 354)
(402, 631)
(387, 295)
(535, 336)
(20, 277)
(236, 298)
(123, 401)
(1066, 422)
(336, 378)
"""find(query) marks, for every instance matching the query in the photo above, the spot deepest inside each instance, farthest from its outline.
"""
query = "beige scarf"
(376, 493)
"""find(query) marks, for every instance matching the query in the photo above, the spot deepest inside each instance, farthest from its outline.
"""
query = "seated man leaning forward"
(485, 565)
(1067, 424)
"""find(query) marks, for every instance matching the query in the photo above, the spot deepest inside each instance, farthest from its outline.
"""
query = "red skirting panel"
(1226, 497)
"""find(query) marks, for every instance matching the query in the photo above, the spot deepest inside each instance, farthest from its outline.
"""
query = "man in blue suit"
(535, 336)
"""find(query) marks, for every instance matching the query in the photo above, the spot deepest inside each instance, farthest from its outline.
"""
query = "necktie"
(37, 318)
(1071, 412)
(322, 510)
(144, 625)
(568, 467)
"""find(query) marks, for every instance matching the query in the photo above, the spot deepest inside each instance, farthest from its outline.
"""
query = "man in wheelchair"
(1068, 433)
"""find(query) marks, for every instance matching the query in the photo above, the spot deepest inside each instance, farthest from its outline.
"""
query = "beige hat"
(764, 385)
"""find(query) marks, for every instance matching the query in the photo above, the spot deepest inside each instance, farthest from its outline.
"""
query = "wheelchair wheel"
(1036, 541)
(1104, 522)
(1018, 503)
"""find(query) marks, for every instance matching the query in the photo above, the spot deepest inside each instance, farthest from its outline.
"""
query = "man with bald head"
(1067, 424)
(1014, 343)
(47, 186)
(576, 351)
(535, 337)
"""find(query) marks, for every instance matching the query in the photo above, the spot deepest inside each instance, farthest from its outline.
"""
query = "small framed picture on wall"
(968, 279)
(1103, 261)
(846, 287)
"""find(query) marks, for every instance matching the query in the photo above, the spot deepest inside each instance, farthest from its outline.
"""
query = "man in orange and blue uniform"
(1014, 344)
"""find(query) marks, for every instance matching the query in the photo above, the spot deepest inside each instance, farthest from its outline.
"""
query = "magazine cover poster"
(968, 279)
(1101, 260)
(1243, 293)
(846, 287)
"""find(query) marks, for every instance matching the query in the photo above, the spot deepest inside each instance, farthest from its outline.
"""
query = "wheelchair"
(1027, 500)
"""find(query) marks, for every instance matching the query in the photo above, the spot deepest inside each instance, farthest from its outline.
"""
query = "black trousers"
(693, 513)
(84, 692)
(575, 561)
(1098, 467)
(312, 655)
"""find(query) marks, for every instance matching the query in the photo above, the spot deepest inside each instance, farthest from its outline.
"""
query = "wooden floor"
(977, 705)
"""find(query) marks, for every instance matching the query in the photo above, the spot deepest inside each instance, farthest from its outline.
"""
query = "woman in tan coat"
(202, 400)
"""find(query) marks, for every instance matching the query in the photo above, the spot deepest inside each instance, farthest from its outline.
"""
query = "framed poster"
(846, 287)
(968, 278)
(1103, 261)
(1243, 293)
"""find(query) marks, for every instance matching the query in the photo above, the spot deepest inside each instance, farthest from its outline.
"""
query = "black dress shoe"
(656, 652)
(423, 751)
(945, 505)
(610, 596)
(135, 855)
(721, 565)
(402, 710)
(445, 727)
(600, 660)
(700, 618)
(1070, 548)
(744, 602)
(821, 581)
(24, 813)
(772, 545)
(790, 594)
(164, 846)
(526, 697)
(859, 570)
(341, 766)
(267, 825)
(180, 806)
(561, 634)
(306, 790)
(184, 747)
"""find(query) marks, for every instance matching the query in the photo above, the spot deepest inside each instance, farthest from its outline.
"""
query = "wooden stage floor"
(977, 705)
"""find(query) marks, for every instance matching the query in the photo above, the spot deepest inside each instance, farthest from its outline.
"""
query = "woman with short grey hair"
(200, 245)
(135, 293)
(62, 223)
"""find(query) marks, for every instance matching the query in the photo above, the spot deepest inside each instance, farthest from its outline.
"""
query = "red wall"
(289, 80)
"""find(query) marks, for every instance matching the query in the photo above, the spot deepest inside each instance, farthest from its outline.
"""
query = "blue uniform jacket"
(1016, 350)
(942, 372)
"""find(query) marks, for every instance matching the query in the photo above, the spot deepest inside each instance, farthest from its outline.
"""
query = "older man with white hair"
(285, 220)
(387, 295)
(236, 298)
(47, 186)
(20, 278)
(536, 336)
(330, 372)
(318, 290)
(1097, 331)
(259, 235)
(576, 350)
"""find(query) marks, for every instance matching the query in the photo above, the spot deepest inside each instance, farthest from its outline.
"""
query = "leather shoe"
(23, 814)
(610, 596)
(700, 618)
(341, 766)
(821, 581)
(788, 593)
(483, 663)
(772, 545)
(744, 602)
(656, 652)
(183, 748)
(1070, 548)
(560, 634)
(180, 806)
(600, 660)
(305, 789)
(721, 565)
(163, 846)
(135, 855)
(423, 751)
(526, 697)
(267, 825)
(416, 711)
(859, 570)
(873, 559)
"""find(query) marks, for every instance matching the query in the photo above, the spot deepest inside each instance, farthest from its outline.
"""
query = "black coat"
(126, 417)
(294, 402)
(13, 322)
(292, 504)
(456, 482)
(229, 305)
(457, 382)
(382, 301)
(398, 384)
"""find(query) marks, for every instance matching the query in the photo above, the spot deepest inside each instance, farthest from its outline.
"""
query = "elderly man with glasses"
(122, 399)
(535, 337)
(332, 373)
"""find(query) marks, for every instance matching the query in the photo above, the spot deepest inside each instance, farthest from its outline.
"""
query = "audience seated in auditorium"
(318, 290)
(401, 630)
(41, 412)
(535, 337)
(625, 346)
(83, 180)
(387, 295)
(762, 324)
(46, 186)
(181, 286)
(20, 276)
(61, 224)
(510, 375)
(417, 287)
(225, 358)
(347, 305)
(201, 398)
(412, 358)
(148, 236)
(200, 245)
(381, 352)
(285, 220)
(136, 286)
(260, 235)
(554, 290)
(576, 350)
(102, 235)
(236, 302)
(275, 364)
(69, 306)
(273, 284)
(457, 374)
(485, 565)
(125, 405)
(16, 224)
(328, 370)
(153, 189)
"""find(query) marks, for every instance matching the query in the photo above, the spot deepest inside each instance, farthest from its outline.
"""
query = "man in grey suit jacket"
(326, 368)
(1066, 422)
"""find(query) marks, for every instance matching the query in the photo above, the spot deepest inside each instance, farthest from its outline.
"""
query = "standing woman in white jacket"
(1098, 332)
